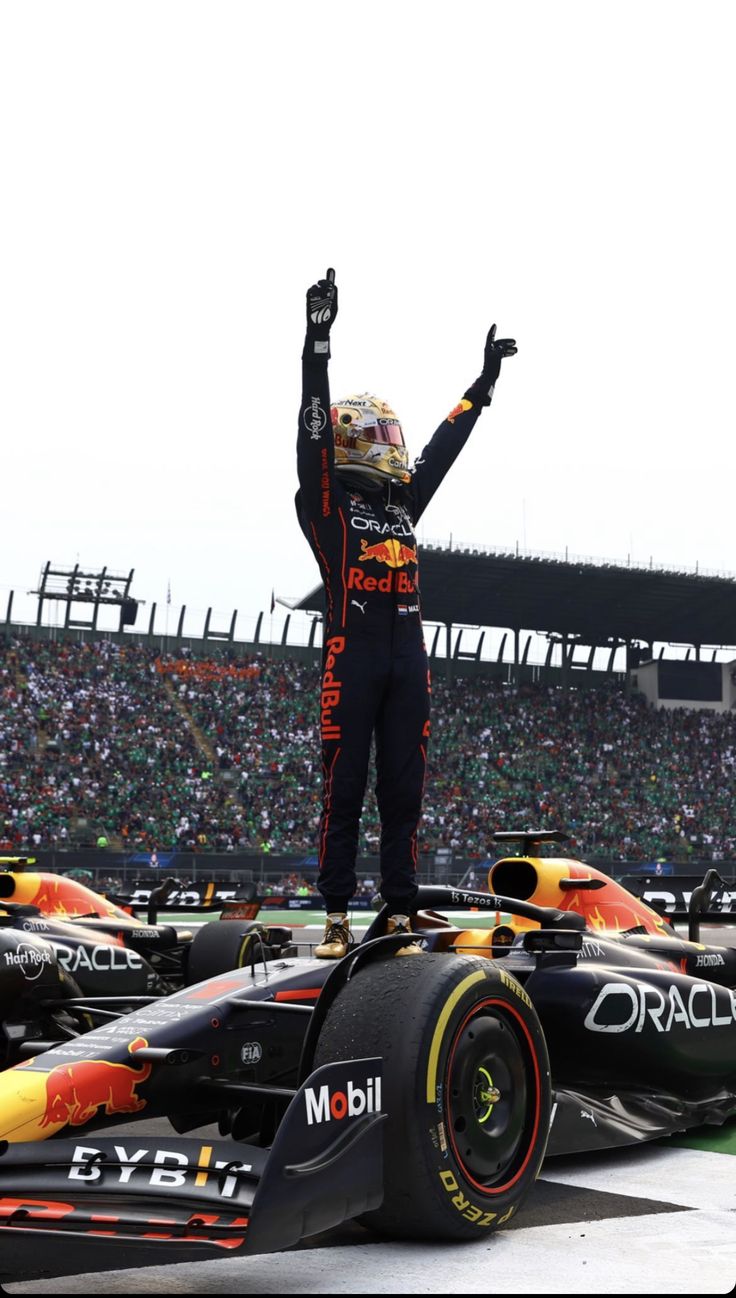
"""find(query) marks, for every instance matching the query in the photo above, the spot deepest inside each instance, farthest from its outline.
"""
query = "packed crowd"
(165, 753)
(88, 737)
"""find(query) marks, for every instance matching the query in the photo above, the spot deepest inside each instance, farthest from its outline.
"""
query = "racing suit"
(375, 676)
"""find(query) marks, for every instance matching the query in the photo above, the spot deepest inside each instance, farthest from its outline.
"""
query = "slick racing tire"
(466, 1088)
(223, 945)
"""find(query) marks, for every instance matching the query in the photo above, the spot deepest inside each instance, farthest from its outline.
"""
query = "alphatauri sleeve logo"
(459, 409)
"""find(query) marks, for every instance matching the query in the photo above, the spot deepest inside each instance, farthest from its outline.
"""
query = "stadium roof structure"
(592, 602)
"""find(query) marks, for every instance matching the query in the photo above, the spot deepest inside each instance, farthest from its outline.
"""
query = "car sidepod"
(638, 1049)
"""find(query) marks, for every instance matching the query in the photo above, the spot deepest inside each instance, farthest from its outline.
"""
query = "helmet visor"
(385, 431)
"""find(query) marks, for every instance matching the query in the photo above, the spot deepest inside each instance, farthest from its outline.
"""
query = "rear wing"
(235, 901)
(16, 864)
(690, 898)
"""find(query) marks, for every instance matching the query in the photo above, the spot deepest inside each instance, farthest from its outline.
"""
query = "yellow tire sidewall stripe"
(439, 1032)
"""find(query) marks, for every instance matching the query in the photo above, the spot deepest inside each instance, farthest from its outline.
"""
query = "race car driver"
(358, 503)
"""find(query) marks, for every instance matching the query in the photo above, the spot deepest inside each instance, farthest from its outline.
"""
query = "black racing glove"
(321, 313)
(496, 348)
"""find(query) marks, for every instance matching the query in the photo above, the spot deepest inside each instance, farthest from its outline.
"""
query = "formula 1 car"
(98, 949)
(419, 1094)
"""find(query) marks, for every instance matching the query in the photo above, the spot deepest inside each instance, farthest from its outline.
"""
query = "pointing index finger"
(330, 275)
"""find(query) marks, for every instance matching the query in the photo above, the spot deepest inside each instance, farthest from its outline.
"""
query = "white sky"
(174, 176)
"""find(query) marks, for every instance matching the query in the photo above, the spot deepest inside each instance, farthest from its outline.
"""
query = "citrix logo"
(324, 1107)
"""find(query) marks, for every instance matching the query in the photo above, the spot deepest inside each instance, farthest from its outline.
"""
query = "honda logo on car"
(627, 1007)
(324, 1105)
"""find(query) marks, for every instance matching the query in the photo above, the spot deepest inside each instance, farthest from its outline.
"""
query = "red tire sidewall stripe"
(510, 1009)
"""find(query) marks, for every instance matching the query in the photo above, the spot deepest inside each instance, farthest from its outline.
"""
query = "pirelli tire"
(223, 945)
(466, 1086)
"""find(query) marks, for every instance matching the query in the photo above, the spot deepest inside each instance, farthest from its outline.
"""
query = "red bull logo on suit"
(401, 582)
(395, 555)
(391, 552)
(331, 688)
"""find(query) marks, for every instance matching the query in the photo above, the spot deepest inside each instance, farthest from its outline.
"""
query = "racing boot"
(337, 938)
(402, 924)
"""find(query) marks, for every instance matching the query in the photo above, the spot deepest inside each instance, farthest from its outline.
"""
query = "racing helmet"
(368, 439)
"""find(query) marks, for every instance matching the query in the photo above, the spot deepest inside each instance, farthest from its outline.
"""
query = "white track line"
(694, 1178)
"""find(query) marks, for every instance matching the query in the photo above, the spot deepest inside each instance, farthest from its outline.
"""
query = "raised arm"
(446, 444)
(315, 446)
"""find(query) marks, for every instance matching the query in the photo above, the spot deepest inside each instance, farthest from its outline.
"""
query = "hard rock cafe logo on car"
(30, 960)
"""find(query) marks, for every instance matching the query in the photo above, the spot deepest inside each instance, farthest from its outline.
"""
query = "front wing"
(104, 1202)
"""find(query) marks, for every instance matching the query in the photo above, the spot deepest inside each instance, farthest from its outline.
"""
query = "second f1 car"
(419, 1094)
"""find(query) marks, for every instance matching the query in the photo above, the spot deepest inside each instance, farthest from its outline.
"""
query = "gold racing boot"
(402, 924)
(337, 938)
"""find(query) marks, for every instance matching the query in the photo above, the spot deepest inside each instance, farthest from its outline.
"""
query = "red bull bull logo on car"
(75, 1091)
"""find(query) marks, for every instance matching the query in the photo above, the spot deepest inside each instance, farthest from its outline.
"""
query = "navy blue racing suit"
(375, 676)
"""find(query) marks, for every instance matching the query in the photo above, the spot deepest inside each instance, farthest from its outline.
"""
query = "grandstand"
(582, 608)
(212, 747)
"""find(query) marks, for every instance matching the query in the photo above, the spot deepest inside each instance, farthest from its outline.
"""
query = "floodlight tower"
(90, 590)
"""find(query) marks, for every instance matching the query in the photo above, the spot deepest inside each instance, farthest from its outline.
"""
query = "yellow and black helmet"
(368, 439)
